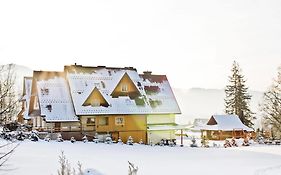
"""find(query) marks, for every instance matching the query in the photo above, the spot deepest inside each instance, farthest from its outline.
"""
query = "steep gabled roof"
(96, 94)
(53, 97)
(82, 81)
(226, 123)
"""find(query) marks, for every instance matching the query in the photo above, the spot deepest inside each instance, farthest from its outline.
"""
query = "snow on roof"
(105, 79)
(54, 99)
(225, 123)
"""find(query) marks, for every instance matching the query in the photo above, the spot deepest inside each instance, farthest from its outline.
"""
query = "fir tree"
(237, 97)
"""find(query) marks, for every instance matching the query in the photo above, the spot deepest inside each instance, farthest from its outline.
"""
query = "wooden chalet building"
(89, 100)
(220, 127)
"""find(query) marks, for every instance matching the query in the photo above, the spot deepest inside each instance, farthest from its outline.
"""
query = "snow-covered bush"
(193, 144)
(59, 138)
(72, 140)
(34, 137)
(96, 138)
(130, 140)
(108, 139)
(20, 136)
(66, 169)
(161, 143)
(85, 139)
(47, 138)
(132, 169)
(120, 142)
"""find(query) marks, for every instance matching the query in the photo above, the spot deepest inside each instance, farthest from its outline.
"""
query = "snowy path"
(42, 158)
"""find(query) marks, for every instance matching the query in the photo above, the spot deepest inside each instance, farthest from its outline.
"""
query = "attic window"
(44, 91)
(49, 107)
(124, 88)
(96, 102)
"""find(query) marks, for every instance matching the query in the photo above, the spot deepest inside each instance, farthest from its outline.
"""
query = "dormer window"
(96, 103)
(124, 88)
(49, 107)
(44, 91)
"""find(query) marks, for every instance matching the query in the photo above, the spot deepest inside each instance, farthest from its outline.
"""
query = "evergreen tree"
(237, 97)
(271, 106)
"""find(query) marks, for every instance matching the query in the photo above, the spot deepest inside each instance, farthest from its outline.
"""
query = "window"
(119, 120)
(124, 88)
(96, 102)
(103, 120)
(91, 121)
(44, 91)
(49, 107)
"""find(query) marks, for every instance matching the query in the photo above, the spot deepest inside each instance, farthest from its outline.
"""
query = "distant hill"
(202, 103)
(21, 72)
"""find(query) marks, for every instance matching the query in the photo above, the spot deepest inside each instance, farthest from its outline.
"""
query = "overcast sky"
(193, 42)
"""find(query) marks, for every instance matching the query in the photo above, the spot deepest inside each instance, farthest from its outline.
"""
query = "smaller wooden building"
(220, 127)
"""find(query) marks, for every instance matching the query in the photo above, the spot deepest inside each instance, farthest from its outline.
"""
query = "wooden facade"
(221, 127)
(123, 126)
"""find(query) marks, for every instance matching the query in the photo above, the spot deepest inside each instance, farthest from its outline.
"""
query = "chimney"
(147, 72)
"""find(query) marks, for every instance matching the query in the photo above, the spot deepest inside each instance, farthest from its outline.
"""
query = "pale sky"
(193, 42)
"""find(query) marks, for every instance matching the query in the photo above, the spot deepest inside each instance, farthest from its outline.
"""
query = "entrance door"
(57, 127)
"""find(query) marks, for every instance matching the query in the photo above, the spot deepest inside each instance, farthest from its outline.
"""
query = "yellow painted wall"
(134, 125)
(161, 119)
(131, 123)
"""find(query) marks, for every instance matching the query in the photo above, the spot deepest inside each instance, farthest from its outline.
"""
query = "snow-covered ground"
(34, 158)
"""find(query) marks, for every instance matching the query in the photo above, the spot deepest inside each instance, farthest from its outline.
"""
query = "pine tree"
(237, 97)
(271, 106)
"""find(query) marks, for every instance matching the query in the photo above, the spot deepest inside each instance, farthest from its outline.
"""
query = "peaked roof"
(132, 94)
(54, 98)
(94, 93)
(225, 123)
(82, 80)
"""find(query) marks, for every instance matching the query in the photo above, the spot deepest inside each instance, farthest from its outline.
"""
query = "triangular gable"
(125, 87)
(96, 96)
(212, 121)
(227, 123)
